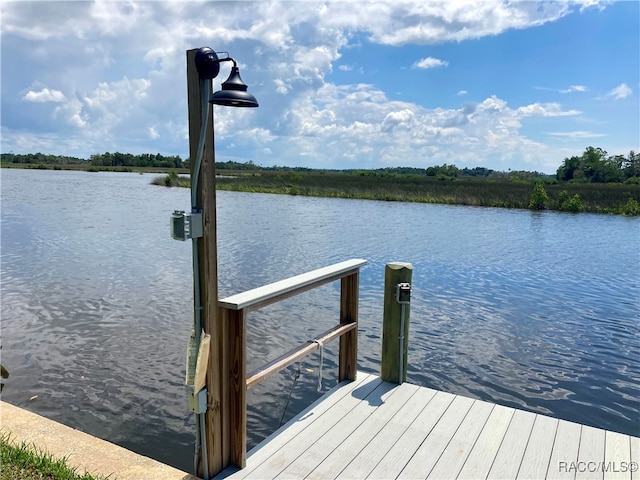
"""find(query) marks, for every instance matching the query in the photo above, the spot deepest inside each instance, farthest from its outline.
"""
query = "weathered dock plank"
(565, 451)
(635, 457)
(322, 446)
(407, 415)
(509, 457)
(348, 442)
(391, 464)
(480, 459)
(435, 443)
(535, 461)
(455, 454)
(591, 450)
(378, 430)
(617, 452)
(274, 454)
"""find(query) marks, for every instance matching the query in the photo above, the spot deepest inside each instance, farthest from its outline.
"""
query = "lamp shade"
(234, 92)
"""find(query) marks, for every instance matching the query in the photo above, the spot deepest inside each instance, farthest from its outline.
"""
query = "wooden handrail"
(232, 358)
(274, 292)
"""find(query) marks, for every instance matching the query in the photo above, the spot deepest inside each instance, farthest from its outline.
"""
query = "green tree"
(632, 208)
(631, 166)
(591, 161)
(570, 204)
(606, 171)
(539, 198)
(595, 166)
(450, 171)
(567, 171)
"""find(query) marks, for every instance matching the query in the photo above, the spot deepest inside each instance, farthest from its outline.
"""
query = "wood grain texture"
(207, 261)
(617, 454)
(392, 346)
(592, 445)
(348, 351)
(237, 373)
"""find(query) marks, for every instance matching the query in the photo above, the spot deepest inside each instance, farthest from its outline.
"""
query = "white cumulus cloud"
(546, 110)
(44, 95)
(621, 91)
(430, 62)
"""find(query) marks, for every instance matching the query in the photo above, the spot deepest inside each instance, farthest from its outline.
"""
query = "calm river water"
(539, 311)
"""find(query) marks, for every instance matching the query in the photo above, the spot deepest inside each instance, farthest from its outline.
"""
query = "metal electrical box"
(186, 225)
(198, 401)
(403, 293)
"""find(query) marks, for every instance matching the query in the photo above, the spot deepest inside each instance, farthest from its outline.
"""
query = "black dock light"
(234, 90)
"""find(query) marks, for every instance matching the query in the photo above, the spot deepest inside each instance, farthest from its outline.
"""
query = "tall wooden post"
(348, 354)
(208, 267)
(394, 340)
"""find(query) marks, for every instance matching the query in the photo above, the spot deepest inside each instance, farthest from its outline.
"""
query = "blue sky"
(344, 84)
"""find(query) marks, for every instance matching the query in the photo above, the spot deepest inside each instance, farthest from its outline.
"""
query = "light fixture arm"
(228, 59)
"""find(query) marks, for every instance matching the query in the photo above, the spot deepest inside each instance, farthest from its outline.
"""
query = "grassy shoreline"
(24, 462)
(503, 193)
(511, 192)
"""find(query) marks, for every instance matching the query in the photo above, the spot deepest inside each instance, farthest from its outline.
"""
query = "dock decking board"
(565, 449)
(480, 459)
(535, 461)
(391, 462)
(509, 457)
(617, 450)
(591, 449)
(338, 459)
(367, 459)
(373, 429)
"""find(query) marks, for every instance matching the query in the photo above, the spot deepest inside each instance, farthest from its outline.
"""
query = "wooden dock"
(374, 429)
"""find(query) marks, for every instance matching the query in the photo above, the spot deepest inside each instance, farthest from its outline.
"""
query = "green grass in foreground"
(27, 462)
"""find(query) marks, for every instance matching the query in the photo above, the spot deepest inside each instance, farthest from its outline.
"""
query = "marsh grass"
(596, 198)
(172, 179)
(23, 461)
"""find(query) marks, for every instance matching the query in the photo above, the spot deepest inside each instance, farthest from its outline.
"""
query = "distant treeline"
(593, 166)
(118, 159)
(106, 159)
(41, 158)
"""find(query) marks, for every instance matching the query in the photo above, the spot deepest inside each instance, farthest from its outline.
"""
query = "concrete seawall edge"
(82, 451)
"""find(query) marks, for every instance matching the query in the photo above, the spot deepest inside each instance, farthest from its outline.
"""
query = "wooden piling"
(217, 384)
(395, 273)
